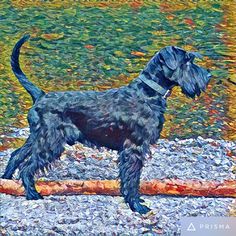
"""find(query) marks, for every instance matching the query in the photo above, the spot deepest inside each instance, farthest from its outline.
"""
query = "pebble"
(202, 159)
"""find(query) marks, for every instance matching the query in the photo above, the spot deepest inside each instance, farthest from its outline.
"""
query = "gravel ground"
(204, 159)
(93, 215)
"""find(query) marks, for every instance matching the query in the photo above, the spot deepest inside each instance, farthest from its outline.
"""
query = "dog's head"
(176, 66)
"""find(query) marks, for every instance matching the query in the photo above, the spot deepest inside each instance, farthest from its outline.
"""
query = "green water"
(82, 48)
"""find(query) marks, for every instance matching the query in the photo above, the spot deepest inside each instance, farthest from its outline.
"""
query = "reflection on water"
(99, 45)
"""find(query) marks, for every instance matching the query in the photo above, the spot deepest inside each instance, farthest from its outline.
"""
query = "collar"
(155, 86)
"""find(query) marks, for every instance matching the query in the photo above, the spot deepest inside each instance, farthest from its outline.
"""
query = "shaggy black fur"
(126, 119)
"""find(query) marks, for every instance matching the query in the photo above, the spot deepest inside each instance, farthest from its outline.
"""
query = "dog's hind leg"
(27, 176)
(130, 165)
(39, 160)
(17, 157)
(47, 147)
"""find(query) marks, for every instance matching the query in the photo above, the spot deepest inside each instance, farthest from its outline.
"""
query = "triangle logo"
(191, 227)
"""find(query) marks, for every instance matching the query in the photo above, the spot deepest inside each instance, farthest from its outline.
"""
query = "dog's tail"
(32, 89)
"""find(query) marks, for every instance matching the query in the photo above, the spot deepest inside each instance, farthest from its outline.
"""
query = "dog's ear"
(172, 57)
(168, 57)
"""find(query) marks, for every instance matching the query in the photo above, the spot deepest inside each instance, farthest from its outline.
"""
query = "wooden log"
(111, 187)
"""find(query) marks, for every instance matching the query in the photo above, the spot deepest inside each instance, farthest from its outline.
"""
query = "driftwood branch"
(111, 187)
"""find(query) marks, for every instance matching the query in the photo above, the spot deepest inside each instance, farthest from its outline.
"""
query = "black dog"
(126, 119)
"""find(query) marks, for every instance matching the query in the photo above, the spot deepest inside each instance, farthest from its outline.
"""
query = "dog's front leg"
(130, 165)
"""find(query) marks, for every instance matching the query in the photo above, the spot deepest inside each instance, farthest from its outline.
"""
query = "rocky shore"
(202, 159)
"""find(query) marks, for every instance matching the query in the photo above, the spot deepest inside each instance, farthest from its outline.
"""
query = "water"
(96, 45)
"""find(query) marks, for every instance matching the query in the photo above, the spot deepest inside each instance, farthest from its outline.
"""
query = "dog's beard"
(192, 79)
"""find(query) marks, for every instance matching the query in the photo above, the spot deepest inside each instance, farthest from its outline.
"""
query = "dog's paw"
(138, 207)
(33, 196)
